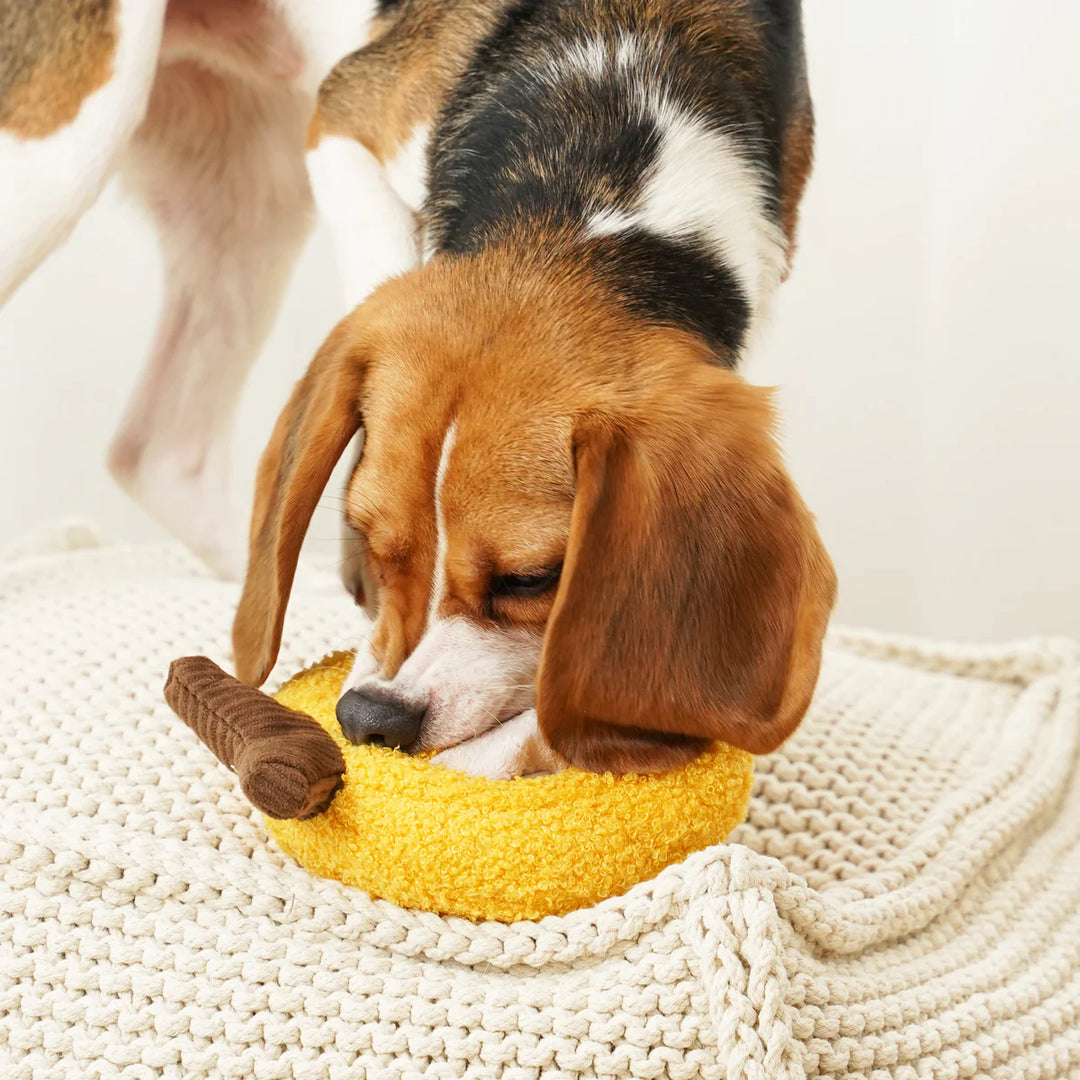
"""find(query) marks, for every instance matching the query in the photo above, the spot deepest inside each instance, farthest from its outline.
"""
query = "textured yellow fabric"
(425, 837)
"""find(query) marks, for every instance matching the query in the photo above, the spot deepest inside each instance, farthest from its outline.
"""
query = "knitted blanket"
(903, 901)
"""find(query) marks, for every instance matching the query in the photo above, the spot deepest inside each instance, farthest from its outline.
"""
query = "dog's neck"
(611, 143)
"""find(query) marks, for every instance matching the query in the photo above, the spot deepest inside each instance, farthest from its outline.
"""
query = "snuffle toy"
(425, 837)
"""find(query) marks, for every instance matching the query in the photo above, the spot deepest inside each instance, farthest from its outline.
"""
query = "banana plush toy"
(425, 837)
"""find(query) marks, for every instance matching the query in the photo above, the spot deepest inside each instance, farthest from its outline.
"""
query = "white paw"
(514, 748)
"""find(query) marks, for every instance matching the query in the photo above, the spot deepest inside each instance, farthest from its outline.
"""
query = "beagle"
(568, 518)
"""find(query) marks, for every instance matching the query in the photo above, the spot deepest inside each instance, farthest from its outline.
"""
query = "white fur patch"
(365, 668)
(47, 184)
(406, 172)
(609, 221)
(469, 678)
(590, 57)
(702, 185)
(514, 748)
(374, 230)
(438, 579)
(596, 56)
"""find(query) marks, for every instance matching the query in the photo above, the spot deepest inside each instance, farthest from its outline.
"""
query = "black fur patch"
(523, 153)
(533, 136)
(677, 283)
(781, 26)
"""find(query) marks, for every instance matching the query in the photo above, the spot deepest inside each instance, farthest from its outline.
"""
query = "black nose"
(372, 715)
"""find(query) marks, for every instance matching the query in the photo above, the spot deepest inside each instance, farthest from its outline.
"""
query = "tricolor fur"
(569, 518)
(562, 221)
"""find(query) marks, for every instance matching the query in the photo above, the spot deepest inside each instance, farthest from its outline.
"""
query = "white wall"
(925, 344)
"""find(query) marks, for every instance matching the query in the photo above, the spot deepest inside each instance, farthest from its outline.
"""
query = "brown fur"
(311, 434)
(796, 161)
(379, 94)
(54, 54)
(695, 589)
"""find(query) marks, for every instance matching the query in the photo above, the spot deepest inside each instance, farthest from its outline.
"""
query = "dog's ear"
(315, 427)
(695, 589)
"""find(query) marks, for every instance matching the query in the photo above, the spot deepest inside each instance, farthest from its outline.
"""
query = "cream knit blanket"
(904, 900)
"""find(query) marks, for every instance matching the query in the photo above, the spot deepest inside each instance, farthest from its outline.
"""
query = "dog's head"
(555, 505)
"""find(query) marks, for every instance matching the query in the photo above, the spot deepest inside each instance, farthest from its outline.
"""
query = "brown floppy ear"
(695, 589)
(311, 433)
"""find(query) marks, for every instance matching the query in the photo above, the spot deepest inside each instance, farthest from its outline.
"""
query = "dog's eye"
(533, 583)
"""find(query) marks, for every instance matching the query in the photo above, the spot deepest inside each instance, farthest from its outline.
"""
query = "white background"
(926, 344)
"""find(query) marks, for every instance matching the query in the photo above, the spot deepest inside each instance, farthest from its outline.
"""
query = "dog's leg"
(375, 232)
(78, 94)
(219, 163)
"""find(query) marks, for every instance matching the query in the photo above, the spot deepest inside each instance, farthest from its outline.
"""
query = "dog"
(568, 516)
(202, 106)
(569, 519)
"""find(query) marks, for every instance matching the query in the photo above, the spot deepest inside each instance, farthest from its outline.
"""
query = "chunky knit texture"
(903, 900)
(425, 837)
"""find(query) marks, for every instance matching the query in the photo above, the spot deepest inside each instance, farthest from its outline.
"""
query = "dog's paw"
(514, 748)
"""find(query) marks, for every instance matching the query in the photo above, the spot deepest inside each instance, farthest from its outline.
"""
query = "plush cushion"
(903, 900)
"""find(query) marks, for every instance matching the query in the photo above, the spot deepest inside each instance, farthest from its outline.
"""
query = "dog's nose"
(373, 716)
